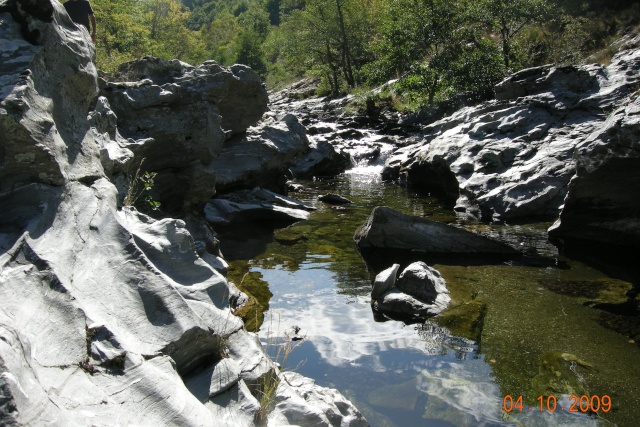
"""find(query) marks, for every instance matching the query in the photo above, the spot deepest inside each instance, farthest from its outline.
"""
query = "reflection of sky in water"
(441, 379)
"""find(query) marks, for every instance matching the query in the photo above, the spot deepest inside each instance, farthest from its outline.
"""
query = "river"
(541, 327)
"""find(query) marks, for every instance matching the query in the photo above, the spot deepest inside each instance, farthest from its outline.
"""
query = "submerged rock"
(465, 320)
(558, 374)
(334, 199)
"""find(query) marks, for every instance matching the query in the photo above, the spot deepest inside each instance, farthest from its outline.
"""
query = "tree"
(122, 36)
(250, 52)
(508, 18)
(169, 33)
(420, 39)
(331, 37)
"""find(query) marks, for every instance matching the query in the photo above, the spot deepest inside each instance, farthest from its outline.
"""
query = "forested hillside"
(437, 49)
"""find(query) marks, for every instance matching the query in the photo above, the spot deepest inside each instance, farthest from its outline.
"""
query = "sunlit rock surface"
(388, 229)
(514, 157)
(262, 155)
(603, 203)
(175, 118)
(106, 314)
(257, 205)
(419, 292)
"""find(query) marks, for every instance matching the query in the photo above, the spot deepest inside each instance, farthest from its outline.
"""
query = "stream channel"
(538, 322)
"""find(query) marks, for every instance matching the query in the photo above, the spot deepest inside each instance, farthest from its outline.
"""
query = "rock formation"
(513, 157)
(389, 230)
(108, 315)
(603, 202)
(419, 292)
(257, 205)
(177, 117)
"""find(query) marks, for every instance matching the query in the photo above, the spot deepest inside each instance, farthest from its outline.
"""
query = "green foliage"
(250, 52)
(438, 49)
(508, 18)
(139, 187)
(329, 39)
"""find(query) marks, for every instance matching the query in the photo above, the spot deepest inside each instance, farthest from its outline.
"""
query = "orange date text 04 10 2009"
(582, 403)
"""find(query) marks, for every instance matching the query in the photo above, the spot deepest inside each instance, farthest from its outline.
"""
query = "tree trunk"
(346, 51)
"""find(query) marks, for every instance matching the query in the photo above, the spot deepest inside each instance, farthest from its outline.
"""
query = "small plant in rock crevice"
(139, 187)
(268, 384)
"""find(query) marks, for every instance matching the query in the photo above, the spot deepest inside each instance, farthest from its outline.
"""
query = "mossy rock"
(592, 292)
(290, 235)
(558, 374)
(251, 283)
(464, 320)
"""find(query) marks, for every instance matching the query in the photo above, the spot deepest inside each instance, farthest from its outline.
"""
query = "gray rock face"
(392, 230)
(45, 74)
(301, 402)
(422, 282)
(177, 117)
(262, 155)
(603, 202)
(225, 375)
(105, 313)
(514, 157)
(419, 292)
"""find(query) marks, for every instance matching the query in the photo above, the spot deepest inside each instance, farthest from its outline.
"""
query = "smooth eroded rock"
(388, 229)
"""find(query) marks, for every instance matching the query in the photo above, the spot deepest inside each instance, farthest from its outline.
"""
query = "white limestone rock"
(513, 157)
(384, 281)
(301, 402)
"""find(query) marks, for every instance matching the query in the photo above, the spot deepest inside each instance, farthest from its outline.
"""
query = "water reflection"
(410, 375)
(345, 348)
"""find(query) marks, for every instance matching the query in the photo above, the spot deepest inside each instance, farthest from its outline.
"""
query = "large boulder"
(261, 156)
(419, 292)
(603, 202)
(513, 157)
(175, 119)
(389, 230)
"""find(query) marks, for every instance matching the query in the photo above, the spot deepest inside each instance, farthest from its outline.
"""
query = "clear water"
(310, 275)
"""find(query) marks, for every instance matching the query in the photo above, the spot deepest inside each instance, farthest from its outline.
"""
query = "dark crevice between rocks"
(435, 178)
(8, 407)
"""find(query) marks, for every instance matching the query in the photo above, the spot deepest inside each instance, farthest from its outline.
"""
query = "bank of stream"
(533, 324)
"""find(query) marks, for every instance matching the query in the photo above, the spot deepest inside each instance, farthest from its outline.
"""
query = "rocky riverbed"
(115, 313)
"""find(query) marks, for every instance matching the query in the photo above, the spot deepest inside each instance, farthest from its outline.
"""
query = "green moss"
(464, 320)
(591, 292)
(558, 374)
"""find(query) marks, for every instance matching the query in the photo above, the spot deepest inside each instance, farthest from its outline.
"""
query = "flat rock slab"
(226, 212)
(386, 228)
